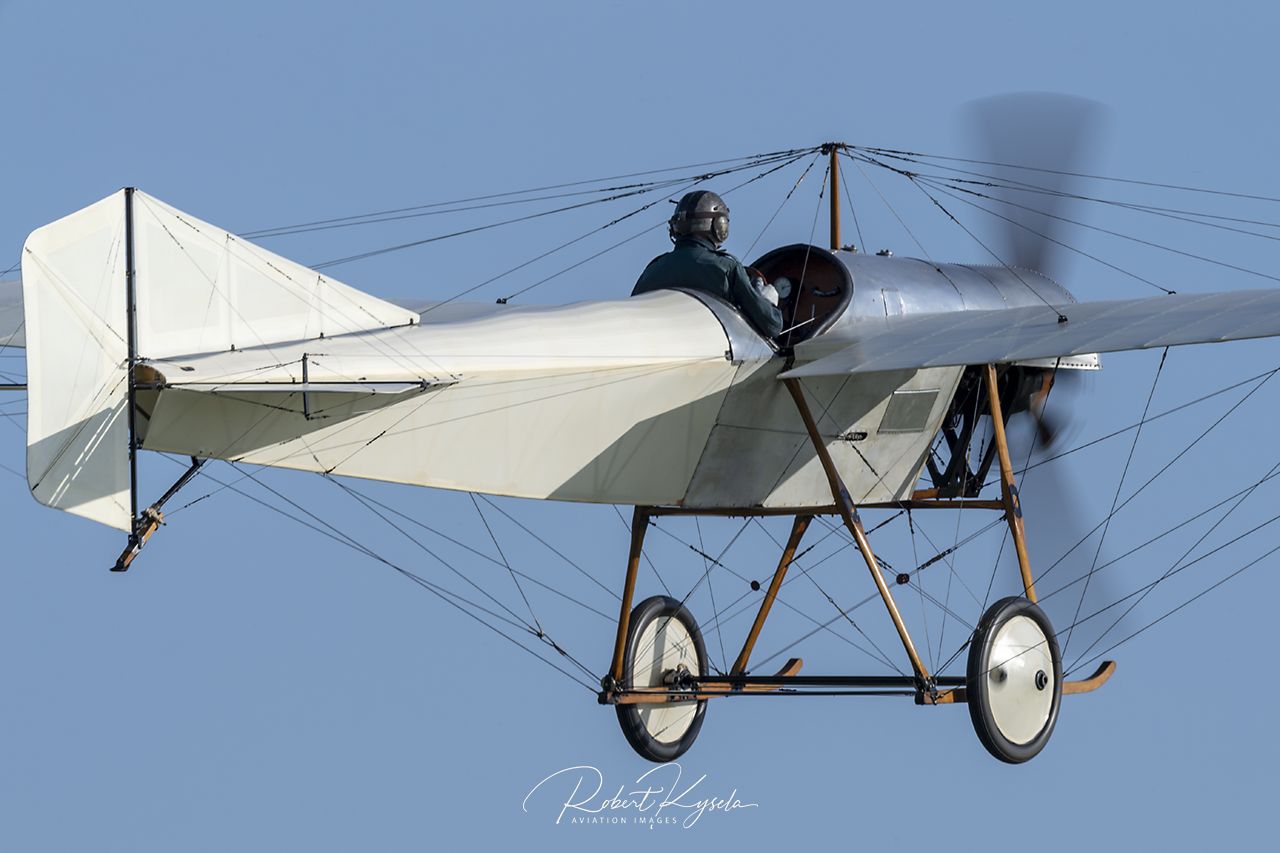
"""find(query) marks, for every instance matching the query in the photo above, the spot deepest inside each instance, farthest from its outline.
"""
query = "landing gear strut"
(1013, 686)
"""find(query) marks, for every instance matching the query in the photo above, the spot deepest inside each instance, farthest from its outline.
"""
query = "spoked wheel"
(663, 642)
(1014, 682)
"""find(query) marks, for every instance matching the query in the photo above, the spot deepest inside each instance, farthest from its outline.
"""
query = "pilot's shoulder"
(726, 260)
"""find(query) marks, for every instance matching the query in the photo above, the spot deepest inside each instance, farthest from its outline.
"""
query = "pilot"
(698, 227)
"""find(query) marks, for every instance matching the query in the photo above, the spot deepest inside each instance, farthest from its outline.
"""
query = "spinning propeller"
(1054, 137)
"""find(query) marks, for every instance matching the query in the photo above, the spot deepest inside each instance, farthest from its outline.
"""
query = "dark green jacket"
(696, 264)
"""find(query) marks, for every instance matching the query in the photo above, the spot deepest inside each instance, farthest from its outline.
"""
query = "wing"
(1034, 332)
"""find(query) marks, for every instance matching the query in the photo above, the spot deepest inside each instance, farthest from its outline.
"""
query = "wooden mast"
(833, 151)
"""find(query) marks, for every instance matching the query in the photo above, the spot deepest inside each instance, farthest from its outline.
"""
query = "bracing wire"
(360, 217)
(458, 602)
(1155, 184)
(371, 253)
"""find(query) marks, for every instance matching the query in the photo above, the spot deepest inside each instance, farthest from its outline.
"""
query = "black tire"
(1028, 720)
(637, 721)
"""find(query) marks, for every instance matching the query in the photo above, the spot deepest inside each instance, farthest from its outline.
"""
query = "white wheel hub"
(1020, 680)
(663, 647)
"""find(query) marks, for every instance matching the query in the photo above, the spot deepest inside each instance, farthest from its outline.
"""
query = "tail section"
(130, 278)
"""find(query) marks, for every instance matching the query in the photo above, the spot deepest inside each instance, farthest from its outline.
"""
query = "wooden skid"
(1100, 677)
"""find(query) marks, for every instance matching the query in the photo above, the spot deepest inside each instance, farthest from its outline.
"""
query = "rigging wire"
(1004, 181)
(643, 554)
(844, 543)
(373, 253)
(898, 154)
(1141, 590)
(549, 546)
(869, 598)
(1178, 408)
(1166, 532)
(1149, 243)
(535, 629)
(786, 198)
(527, 191)
(526, 218)
(1173, 567)
(887, 569)
(550, 252)
(1162, 470)
(1275, 471)
(1174, 610)
(808, 248)
(387, 508)
(915, 558)
(1115, 498)
(449, 597)
(718, 561)
(1194, 217)
(857, 226)
(1053, 240)
(1062, 318)
(656, 225)
(840, 611)
(711, 590)
(505, 562)
(709, 561)
(858, 165)
(622, 191)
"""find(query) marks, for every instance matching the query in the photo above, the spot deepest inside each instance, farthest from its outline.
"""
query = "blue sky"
(253, 685)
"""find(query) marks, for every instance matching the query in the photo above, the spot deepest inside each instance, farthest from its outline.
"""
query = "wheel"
(661, 639)
(1014, 681)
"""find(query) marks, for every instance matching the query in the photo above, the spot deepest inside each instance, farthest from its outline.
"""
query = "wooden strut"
(849, 514)
(1009, 488)
(639, 525)
(798, 529)
(834, 170)
(928, 690)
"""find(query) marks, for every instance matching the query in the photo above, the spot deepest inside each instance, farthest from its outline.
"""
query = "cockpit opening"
(821, 289)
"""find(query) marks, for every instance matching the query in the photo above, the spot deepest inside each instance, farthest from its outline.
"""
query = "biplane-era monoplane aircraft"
(147, 329)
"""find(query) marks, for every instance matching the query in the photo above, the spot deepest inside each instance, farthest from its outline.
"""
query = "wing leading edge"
(1034, 332)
